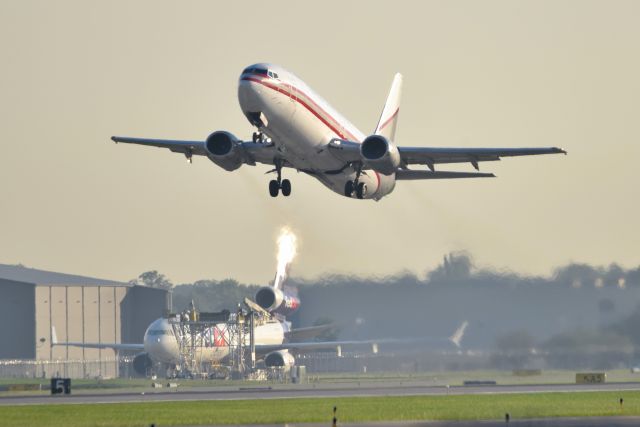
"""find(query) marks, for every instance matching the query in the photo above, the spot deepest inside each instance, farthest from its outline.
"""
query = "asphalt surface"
(543, 422)
(304, 391)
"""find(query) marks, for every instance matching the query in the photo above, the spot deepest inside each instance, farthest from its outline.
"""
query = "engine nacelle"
(142, 363)
(380, 154)
(222, 149)
(276, 301)
(279, 358)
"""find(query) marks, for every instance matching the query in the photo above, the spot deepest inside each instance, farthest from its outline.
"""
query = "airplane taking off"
(298, 129)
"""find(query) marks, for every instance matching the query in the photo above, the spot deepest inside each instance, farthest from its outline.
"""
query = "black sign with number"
(60, 385)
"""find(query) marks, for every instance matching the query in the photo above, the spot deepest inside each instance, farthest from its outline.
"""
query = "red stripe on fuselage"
(315, 113)
(333, 127)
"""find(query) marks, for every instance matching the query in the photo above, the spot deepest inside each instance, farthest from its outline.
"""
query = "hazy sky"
(537, 73)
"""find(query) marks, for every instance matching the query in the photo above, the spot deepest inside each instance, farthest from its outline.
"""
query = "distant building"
(81, 309)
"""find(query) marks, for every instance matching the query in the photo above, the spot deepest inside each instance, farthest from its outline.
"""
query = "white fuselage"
(161, 342)
(301, 124)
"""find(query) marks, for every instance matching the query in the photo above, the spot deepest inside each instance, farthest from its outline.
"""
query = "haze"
(538, 73)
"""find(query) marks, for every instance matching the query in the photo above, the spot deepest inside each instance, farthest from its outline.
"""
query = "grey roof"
(21, 273)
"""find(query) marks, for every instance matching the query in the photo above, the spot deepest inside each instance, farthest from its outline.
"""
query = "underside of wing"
(114, 346)
(226, 149)
(407, 175)
(350, 152)
(301, 334)
(431, 156)
(177, 146)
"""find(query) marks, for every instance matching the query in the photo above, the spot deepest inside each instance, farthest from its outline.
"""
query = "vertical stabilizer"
(389, 117)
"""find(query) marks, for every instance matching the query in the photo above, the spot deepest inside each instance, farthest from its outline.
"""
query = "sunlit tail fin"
(389, 117)
(457, 336)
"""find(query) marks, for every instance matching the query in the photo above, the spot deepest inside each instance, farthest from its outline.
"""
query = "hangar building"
(81, 309)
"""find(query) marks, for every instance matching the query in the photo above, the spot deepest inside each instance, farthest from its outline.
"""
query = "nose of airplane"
(162, 348)
(160, 342)
(249, 94)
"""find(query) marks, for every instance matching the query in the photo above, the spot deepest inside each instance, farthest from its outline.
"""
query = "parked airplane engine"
(380, 154)
(276, 301)
(141, 363)
(222, 149)
(279, 358)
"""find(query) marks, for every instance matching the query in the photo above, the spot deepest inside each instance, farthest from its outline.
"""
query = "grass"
(353, 409)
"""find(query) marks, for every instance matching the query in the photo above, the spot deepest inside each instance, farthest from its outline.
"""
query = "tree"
(153, 279)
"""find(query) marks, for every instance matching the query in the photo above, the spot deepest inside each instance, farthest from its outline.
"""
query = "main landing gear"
(275, 185)
(355, 186)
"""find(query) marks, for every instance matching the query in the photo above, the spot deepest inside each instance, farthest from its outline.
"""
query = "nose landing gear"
(275, 185)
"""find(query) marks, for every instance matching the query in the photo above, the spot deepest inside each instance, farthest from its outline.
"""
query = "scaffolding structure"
(232, 341)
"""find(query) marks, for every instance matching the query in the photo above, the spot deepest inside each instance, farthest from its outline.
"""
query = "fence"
(104, 369)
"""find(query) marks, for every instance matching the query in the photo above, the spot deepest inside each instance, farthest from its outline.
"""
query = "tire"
(361, 191)
(348, 189)
(285, 187)
(274, 188)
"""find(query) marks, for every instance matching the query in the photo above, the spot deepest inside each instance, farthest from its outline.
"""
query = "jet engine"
(142, 363)
(380, 154)
(279, 358)
(276, 301)
(222, 149)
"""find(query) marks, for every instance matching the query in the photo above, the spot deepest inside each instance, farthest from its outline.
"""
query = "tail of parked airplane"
(389, 117)
(457, 336)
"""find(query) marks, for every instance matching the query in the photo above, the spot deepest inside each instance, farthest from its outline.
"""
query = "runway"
(541, 422)
(303, 391)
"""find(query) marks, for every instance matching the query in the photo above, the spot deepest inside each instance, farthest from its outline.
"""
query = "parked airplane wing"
(114, 346)
(252, 152)
(310, 346)
(300, 334)
(302, 347)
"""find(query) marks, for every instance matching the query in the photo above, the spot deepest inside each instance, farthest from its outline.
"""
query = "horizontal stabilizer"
(414, 174)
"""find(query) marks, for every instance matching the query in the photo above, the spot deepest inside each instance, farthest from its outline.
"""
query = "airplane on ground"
(298, 129)
(275, 341)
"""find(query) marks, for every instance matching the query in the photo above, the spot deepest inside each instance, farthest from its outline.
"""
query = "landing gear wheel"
(361, 190)
(285, 186)
(257, 137)
(348, 189)
(274, 187)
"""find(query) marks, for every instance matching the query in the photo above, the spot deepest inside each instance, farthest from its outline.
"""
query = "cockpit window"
(160, 332)
(260, 71)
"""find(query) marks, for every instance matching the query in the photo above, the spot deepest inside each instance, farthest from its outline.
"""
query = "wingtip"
(114, 139)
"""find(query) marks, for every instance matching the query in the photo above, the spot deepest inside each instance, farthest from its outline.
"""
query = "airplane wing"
(114, 346)
(302, 347)
(406, 174)
(252, 152)
(310, 346)
(349, 151)
(300, 334)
